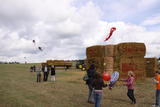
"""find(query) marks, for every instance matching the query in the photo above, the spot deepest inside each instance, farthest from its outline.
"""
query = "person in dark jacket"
(53, 73)
(45, 72)
(98, 85)
(90, 72)
(31, 69)
(34, 68)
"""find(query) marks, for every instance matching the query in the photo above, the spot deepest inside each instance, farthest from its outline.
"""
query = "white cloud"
(61, 29)
(152, 21)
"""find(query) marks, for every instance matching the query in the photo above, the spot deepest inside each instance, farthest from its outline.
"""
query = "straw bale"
(116, 64)
(137, 65)
(49, 62)
(116, 51)
(95, 51)
(131, 49)
(109, 51)
(151, 66)
(108, 62)
(97, 61)
(43, 63)
(110, 71)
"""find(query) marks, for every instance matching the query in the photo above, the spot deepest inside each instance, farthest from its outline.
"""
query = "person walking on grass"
(53, 78)
(90, 73)
(157, 82)
(98, 85)
(130, 83)
(38, 71)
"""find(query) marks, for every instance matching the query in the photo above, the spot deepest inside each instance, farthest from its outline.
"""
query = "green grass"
(18, 88)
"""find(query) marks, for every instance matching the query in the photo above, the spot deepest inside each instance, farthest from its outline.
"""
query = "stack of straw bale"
(151, 66)
(95, 56)
(130, 57)
(122, 57)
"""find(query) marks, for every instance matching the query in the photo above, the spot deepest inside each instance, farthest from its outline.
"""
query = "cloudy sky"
(64, 28)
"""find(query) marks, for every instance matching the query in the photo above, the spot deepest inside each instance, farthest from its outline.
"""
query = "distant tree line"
(1, 62)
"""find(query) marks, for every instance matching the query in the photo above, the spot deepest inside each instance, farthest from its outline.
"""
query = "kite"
(110, 34)
(34, 41)
(40, 48)
(114, 78)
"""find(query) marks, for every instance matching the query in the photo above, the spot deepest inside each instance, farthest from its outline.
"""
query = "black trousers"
(130, 94)
(45, 76)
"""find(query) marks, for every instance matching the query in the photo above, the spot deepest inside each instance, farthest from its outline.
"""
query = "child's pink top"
(130, 82)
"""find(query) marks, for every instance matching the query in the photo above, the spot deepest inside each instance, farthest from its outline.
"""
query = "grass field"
(18, 88)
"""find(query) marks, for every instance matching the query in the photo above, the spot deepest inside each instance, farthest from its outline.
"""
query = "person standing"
(53, 78)
(43, 72)
(46, 72)
(98, 85)
(31, 69)
(38, 70)
(90, 73)
(130, 83)
(34, 68)
(157, 82)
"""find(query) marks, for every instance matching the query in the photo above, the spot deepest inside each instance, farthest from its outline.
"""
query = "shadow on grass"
(119, 100)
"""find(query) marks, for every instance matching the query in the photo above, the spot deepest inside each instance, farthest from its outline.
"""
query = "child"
(130, 83)
(157, 81)
(98, 85)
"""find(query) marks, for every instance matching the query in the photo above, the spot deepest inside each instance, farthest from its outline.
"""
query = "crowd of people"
(43, 72)
(96, 84)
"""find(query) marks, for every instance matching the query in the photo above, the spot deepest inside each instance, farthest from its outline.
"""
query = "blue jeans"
(158, 97)
(97, 98)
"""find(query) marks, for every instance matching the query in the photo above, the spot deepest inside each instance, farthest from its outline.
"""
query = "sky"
(64, 28)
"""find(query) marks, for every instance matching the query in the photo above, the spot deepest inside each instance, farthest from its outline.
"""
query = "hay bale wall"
(135, 64)
(151, 66)
(121, 57)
